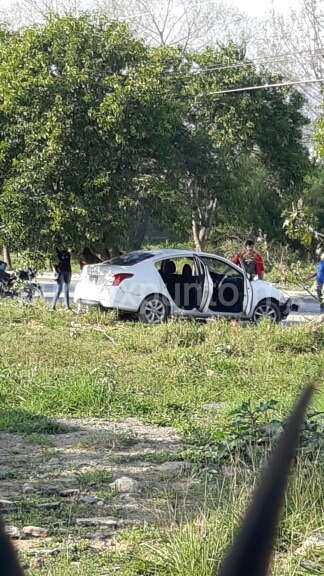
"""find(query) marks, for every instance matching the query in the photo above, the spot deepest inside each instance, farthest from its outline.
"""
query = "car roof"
(172, 252)
(165, 253)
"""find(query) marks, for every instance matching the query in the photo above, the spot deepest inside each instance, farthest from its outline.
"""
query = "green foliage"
(251, 435)
(313, 193)
(253, 201)
(100, 132)
(84, 133)
(300, 224)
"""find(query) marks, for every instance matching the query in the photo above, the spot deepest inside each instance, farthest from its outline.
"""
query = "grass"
(164, 375)
(195, 545)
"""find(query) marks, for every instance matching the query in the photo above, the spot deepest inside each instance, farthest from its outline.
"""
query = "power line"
(265, 60)
(242, 64)
(260, 87)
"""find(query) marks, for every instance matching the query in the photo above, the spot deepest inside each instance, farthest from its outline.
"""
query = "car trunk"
(100, 274)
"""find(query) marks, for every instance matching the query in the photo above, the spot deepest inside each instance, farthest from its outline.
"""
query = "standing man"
(62, 272)
(253, 262)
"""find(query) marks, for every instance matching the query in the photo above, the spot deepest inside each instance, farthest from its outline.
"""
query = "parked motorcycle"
(20, 284)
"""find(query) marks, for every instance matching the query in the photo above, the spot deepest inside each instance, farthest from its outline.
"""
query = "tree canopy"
(100, 132)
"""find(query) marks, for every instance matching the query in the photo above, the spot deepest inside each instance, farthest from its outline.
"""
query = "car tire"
(154, 310)
(266, 309)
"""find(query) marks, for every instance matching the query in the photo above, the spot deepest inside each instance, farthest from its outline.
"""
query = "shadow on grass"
(22, 422)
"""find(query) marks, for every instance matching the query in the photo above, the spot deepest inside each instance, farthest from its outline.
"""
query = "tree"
(299, 35)
(99, 133)
(23, 13)
(85, 135)
(222, 128)
(301, 225)
(193, 24)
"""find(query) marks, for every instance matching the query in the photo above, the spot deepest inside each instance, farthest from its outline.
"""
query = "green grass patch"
(162, 375)
(56, 367)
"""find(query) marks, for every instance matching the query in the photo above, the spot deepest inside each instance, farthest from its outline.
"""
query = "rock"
(5, 503)
(125, 484)
(316, 541)
(70, 492)
(49, 505)
(171, 468)
(216, 406)
(100, 503)
(54, 461)
(88, 499)
(49, 489)
(210, 373)
(28, 488)
(45, 552)
(3, 474)
(13, 532)
(97, 521)
(99, 536)
(36, 531)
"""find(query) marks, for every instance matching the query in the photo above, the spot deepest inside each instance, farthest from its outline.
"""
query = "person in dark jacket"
(62, 272)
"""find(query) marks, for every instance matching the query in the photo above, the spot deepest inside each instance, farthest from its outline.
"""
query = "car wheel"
(154, 310)
(266, 310)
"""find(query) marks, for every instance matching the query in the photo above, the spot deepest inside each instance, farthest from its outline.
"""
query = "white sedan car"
(157, 284)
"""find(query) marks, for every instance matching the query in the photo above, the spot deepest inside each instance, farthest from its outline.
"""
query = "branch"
(105, 333)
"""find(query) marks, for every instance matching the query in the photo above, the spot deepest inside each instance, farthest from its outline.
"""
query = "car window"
(218, 267)
(131, 258)
(178, 265)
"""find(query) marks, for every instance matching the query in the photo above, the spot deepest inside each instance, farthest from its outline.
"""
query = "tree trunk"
(138, 221)
(6, 257)
(106, 254)
(113, 251)
(202, 218)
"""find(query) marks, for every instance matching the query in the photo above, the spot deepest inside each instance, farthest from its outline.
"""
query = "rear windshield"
(131, 258)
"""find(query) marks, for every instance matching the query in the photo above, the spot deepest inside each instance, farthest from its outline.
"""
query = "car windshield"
(130, 259)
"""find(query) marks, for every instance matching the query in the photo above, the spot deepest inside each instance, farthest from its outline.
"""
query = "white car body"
(126, 282)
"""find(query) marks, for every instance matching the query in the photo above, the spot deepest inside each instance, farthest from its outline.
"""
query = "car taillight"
(118, 278)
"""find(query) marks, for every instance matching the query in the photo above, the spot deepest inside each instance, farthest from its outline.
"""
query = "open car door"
(248, 294)
(207, 286)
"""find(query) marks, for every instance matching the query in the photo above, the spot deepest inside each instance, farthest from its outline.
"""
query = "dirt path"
(63, 484)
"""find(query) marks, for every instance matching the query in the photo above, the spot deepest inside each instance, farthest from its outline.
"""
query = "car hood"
(265, 283)
(270, 289)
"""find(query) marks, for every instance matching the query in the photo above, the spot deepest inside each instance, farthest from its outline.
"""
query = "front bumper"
(288, 307)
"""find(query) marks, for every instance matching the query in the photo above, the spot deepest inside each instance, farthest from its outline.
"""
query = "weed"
(38, 440)
(95, 478)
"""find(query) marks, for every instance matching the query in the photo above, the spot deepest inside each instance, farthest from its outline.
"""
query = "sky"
(259, 7)
(252, 7)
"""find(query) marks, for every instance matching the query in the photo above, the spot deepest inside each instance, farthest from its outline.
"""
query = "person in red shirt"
(253, 262)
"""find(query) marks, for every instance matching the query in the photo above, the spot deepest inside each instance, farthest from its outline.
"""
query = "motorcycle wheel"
(37, 293)
(30, 294)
